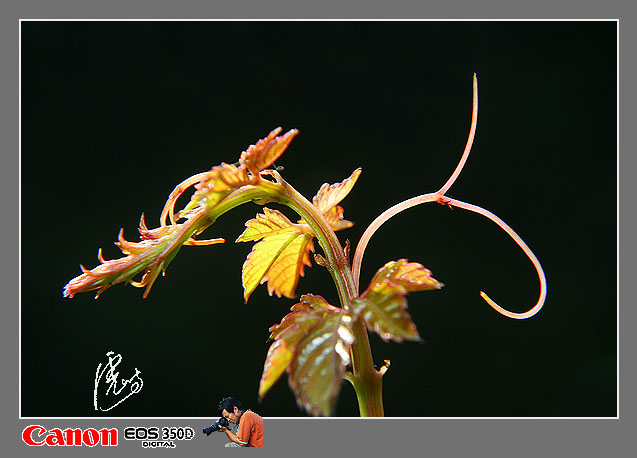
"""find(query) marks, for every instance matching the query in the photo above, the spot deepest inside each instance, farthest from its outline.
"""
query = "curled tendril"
(439, 197)
(538, 267)
(169, 208)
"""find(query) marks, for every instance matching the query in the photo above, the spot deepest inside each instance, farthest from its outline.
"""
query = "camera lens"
(215, 426)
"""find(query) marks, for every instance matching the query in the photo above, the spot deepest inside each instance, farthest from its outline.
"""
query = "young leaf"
(334, 217)
(149, 257)
(313, 344)
(327, 198)
(216, 184)
(262, 155)
(410, 275)
(330, 195)
(383, 305)
(281, 255)
(287, 334)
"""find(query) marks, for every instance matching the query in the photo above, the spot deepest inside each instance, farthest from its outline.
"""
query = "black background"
(115, 114)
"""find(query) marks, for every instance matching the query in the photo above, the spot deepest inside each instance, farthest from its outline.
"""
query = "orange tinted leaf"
(266, 151)
(233, 176)
(410, 275)
(383, 305)
(334, 217)
(279, 258)
(329, 196)
(217, 183)
(293, 327)
(276, 362)
(313, 343)
(150, 257)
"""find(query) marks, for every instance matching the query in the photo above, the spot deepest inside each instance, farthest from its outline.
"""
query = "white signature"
(117, 395)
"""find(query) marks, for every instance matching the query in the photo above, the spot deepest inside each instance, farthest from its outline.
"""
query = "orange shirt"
(250, 429)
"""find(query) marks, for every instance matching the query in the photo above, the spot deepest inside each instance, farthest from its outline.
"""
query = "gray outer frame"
(493, 437)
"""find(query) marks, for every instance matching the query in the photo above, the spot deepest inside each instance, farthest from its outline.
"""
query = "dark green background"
(115, 114)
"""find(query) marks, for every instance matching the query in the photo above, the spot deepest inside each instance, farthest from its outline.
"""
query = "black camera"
(215, 426)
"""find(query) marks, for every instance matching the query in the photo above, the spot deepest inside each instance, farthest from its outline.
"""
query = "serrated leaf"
(217, 183)
(270, 222)
(384, 311)
(287, 334)
(279, 258)
(313, 344)
(383, 305)
(149, 257)
(276, 362)
(266, 151)
(329, 196)
(410, 275)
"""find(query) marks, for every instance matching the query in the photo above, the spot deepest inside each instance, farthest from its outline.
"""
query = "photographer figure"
(250, 432)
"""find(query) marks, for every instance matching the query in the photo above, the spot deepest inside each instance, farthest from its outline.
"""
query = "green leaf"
(313, 344)
(383, 305)
(279, 258)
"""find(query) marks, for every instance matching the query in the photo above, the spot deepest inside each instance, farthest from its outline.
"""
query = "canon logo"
(38, 435)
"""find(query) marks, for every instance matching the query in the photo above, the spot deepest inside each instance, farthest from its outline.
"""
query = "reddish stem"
(521, 244)
(440, 198)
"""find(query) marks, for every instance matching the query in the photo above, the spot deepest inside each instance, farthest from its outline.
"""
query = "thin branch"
(538, 267)
(432, 197)
(467, 149)
(440, 198)
(378, 222)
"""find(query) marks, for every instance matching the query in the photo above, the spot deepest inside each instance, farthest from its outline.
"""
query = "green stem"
(201, 219)
(365, 379)
(338, 264)
(201, 222)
